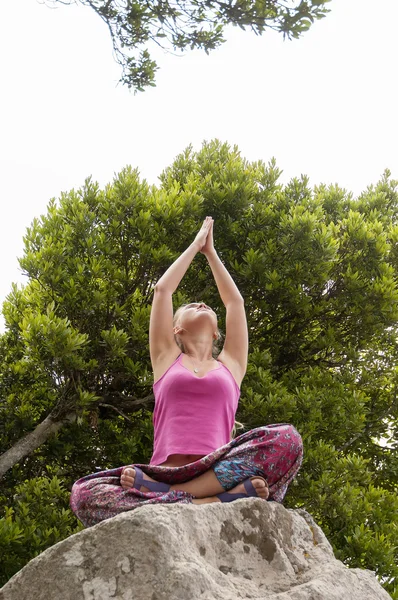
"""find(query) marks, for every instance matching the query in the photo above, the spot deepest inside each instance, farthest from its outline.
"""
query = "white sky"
(324, 105)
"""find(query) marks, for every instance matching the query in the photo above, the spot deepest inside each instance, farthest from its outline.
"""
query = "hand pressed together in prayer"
(204, 238)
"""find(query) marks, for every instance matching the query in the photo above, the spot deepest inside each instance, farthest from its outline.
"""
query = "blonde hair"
(215, 353)
(237, 426)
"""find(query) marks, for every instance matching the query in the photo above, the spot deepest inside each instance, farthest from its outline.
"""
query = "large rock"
(245, 549)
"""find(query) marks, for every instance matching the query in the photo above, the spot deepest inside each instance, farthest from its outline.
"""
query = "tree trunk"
(33, 440)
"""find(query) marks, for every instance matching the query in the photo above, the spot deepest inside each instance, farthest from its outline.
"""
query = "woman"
(196, 398)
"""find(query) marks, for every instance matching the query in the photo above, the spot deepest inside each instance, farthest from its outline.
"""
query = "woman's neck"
(199, 353)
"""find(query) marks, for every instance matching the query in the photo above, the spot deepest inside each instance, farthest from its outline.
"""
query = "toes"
(261, 487)
(127, 478)
(259, 483)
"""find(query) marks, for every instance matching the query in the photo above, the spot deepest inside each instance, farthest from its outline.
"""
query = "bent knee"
(295, 439)
(293, 433)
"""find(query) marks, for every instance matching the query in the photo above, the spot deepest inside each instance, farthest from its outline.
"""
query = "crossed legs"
(204, 487)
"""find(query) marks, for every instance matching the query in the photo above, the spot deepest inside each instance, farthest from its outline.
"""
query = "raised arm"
(161, 336)
(236, 345)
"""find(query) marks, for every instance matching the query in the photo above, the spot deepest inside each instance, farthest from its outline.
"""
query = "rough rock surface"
(245, 549)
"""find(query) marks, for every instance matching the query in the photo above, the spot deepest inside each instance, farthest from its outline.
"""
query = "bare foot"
(260, 485)
(127, 479)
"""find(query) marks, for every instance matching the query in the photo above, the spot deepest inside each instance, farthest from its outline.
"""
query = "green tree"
(187, 24)
(318, 271)
(38, 519)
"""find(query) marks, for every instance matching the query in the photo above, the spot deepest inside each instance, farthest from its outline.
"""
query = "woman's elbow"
(161, 288)
(237, 299)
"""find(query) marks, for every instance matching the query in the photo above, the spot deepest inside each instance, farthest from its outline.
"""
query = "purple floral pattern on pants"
(275, 452)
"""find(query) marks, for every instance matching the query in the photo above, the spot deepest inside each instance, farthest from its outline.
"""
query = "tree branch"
(129, 403)
(33, 440)
(116, 409)
(57, 419)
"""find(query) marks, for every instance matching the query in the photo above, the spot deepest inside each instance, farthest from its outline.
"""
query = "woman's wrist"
(210, 253)
(195, 246)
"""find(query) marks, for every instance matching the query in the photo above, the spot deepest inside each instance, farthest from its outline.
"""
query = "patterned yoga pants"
(274, 452)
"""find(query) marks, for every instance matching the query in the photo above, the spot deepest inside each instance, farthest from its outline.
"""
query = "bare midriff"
(179, 460)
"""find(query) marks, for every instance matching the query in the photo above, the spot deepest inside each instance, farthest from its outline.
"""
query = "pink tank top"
(193, 415)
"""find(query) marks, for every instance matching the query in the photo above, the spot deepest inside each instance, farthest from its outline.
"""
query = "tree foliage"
(39, 518)
(190, 24)
(318, 271)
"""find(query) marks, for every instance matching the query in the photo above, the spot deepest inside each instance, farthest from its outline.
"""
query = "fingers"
(204, 232)
(210, 229)
(208, 223)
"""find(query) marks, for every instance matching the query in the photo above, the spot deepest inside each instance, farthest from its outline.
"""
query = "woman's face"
(196, 312)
